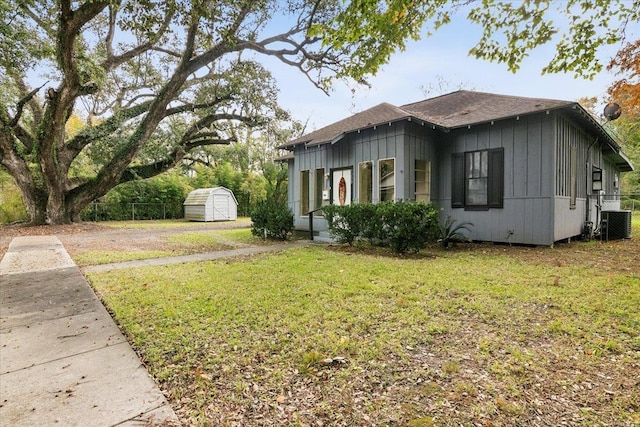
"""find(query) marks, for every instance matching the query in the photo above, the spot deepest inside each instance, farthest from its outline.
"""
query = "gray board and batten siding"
(546, 151)
(527, 212)
(402, 141)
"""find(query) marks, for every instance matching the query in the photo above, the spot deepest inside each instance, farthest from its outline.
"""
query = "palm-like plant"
(451, 232)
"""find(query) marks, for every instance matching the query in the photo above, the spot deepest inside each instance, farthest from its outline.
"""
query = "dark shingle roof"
(464, 108)
(457, 109)
(381, 113)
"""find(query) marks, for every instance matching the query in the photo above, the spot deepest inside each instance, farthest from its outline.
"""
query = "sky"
(441, 64)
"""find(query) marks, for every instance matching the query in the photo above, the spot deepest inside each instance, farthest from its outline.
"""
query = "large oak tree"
(158, 80)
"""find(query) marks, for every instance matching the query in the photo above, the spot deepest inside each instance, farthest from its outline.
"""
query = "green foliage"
(11, 206)
(273, 218)
(512, 29)
(627, 129)
(155, 198)
(371, 31)
(346, 223)
(450, 232)
(402, 226)
(276, 176)
(408, 226)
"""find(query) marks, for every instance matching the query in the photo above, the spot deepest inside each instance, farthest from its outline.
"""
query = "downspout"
(588, 230)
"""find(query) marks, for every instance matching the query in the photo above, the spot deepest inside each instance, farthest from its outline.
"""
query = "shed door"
(341, 187)
(221, 206)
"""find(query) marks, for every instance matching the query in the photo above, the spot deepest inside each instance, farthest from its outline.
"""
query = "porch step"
(324, 237)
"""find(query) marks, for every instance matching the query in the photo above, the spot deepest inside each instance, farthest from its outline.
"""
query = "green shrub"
(344, 222)
(273, 217)
(402, 226)
(408, 226)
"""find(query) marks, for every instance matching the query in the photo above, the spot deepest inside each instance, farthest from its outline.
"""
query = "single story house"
(522, 170)
(211, 204)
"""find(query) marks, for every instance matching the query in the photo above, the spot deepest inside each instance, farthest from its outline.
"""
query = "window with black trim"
(478, 179)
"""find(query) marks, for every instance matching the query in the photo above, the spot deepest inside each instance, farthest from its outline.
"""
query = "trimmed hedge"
(401, 226)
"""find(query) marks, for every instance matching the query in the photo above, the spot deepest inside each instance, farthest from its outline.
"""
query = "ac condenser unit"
(616, 224)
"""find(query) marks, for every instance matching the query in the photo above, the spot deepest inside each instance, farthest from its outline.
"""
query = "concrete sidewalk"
(249, 250)
(63, 361)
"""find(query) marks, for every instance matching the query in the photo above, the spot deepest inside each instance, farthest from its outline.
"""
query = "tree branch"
(193, 160)
(20, 105)
(298, 49)
(34, 103)
(208, 141)
(113, 61)
(193, 107)
(42, 24)
(207, 121)
(17, 131)
(104, 129)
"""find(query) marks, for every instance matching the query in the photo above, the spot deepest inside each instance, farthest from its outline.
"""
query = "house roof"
(381, 113)
(460, 109)
(465, 108)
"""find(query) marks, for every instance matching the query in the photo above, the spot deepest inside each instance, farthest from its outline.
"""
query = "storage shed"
(211, 204)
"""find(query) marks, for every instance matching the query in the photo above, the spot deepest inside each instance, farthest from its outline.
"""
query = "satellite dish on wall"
(612, 111)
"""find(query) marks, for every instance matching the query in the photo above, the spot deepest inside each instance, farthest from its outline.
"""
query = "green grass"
(342, 336)
(208, 241)
(95, 257)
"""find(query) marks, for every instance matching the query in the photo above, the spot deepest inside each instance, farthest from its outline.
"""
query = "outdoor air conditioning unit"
(616, 225)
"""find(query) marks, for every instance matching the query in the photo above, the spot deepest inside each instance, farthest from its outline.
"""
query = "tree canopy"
(626, 89)
(158, 81)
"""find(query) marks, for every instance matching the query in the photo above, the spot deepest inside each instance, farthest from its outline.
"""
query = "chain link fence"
(132, 211)
(630, 202)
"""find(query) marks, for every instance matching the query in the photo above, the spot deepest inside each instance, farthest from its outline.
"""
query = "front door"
(341, 187)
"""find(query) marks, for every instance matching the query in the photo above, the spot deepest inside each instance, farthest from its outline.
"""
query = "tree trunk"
(35, 201)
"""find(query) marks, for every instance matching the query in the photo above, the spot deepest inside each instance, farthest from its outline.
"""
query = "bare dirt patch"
(88, 236)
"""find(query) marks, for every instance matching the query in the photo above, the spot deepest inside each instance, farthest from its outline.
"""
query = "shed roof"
(201, 195)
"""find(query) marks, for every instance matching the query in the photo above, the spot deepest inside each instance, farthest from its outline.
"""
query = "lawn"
(480, 335)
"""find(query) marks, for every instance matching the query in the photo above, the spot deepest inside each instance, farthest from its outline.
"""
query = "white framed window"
(477, 166)
(423, 181)
(387, 179)
(365, 182)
